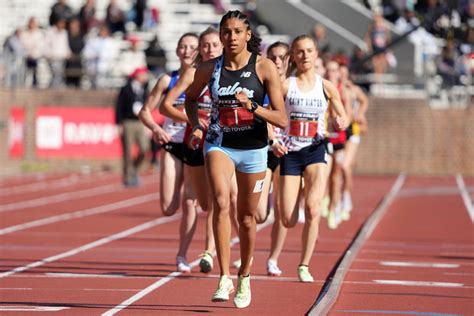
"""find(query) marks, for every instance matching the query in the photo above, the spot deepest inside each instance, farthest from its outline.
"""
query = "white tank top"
(306, 114)
(174, 128)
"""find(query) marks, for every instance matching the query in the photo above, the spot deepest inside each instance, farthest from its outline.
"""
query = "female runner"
(236, 139)
(172, 152)
(308, 98)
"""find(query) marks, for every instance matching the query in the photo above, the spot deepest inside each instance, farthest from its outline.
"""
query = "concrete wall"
(404, 135)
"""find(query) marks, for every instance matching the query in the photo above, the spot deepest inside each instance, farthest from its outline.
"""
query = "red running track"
(419, 260)
(94, 245)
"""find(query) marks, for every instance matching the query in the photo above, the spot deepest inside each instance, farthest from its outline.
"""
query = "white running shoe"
(224, 288)
(301, 216)
(272, 268)
(338, 212)
(238, 263)
(347, 201)
(304, 275)
(243, 296)
(182, 265)
(345, 215)
(325, 207)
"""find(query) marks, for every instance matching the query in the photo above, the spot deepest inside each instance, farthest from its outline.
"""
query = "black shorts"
(193, 158)
(272, 161)
(349, 132)
(295, 162)
(176, 149)
(338, 147)
(329, 146)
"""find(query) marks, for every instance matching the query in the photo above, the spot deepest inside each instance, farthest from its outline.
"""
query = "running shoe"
(304, 275)
(301, 216)
(347, 201)
(332, 222)
(325, 207)
(345, 215)
(238, 263)
(182, 265)
(272, 268)
(338, 214)
(206, 263)
(224, 288)
(243, 296)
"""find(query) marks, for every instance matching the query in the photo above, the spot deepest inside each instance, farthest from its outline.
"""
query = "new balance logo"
(245, 74)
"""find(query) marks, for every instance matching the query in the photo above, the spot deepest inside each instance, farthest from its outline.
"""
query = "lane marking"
(16, 288)
(329, 294)
(82, 213)
(392, 312)
(419, 283)
(62, 197)
(85, 275)
(166, 279)
(465, 196)
(45, 185)
(32, 308)
(337, 28)
(94, 244)
(419, 264)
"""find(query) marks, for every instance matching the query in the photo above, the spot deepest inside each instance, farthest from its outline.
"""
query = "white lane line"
(57, 183)
(113, 290)
(61, 197)
(16, 288)
(85, 275)
(82, 213)
(165, 280)
(92, 245)
(419, 264)
(330, 292)
(465, 196)
(351, 37)
(32, 308)
(419, 283)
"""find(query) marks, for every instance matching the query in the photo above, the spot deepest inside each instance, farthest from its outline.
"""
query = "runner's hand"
(278, 149)
(160, 136)
(195, 138)
(243, 100)
(340, 123)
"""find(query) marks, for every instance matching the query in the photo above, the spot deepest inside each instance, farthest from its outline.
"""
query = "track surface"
(82, 244)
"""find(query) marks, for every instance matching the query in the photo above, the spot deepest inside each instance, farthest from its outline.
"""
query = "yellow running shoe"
(325, 207)
(243, 296)
(224, 288)
(332, 220)
(206, 263)
(304, 275)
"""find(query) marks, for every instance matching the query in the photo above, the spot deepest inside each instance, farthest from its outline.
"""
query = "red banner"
(77, 133)
(16, 132)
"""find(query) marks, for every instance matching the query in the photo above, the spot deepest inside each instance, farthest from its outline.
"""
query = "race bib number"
(235, 117)
(303, 125)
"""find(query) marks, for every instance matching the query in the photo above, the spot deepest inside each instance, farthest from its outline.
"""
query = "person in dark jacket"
(129, 102)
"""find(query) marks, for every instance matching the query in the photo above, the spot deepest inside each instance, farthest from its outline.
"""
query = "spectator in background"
(320, 36)
(74, 63)
(14, 57)
(129, 102)
(132, 58)
(139, 7)
(378, 38)
(115, 17)
(155, 57)
(57, 51)
(450, 65)
(32, 40)
(341, 57)
(60, 11)
(100, 53)
(407, 22)
(87, 16)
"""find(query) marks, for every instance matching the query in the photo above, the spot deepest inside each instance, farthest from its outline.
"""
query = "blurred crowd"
(84, 51)
(81, 49)
(431, 23)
